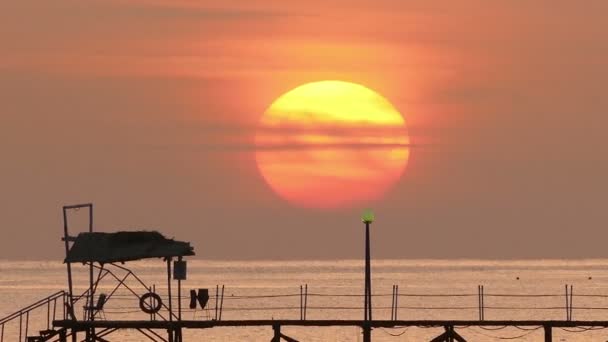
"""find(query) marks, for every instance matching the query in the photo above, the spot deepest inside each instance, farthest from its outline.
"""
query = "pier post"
(178, 333)
(170, 331)
(367, 333)
(92, 334)
(277, 333)
(548, 333)
(367, 218)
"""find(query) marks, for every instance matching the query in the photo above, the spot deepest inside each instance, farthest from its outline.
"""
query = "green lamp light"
(368, 216)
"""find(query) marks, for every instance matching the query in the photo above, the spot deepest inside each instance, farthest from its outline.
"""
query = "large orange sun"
(331, 144)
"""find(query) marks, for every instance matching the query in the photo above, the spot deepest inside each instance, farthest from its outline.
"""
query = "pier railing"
(53, 307)
(395, 305)
(310, 304)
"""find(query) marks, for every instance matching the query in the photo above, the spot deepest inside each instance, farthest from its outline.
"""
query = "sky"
(149, 110)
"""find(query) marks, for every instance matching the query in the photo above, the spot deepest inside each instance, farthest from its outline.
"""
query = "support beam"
(548, 333)
(367, 332)
(170, 331)
(450, 335)
(288, 339)
(277, 333)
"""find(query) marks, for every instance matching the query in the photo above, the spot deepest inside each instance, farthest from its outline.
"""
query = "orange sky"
(148, 108)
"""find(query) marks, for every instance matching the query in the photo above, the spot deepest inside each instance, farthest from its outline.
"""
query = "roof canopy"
(125, 246)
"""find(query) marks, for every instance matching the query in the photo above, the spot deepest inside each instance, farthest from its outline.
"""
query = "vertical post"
(63, 336)
(54, 311)
(479, 300)
(367, 218)
(154, 291)
(368, 271)
(68, 264)
(179, 304)
(571, 291)
(548, 333)
(179, 296)
(170, 330)
(91, 271)
(222, 303)
(567, 303)
(450, 333)
(483, 302)
(305, 300)
(217, 292)
(480, 295)
(367, 331)
(27, 323)
(396, 301)
(48, 313)
(277, 333)
(150, 303)
(393, 303)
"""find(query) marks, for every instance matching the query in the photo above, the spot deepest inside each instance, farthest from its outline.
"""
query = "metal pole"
(548, 333)
(393, 303)
(277, 333)
(70, 300)
(396, 301)
(367, 331)
(170, 330)
(368, 271)
(305, 300)
(567, 303)
(27, 323)
(221, 304)
(179, 304)
(571, 290)
(91, 271)
(217, 291)
(69, 264)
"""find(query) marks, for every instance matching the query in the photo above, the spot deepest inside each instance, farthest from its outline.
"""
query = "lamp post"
(367, 218)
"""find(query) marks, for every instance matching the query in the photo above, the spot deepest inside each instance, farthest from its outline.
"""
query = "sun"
(331, 144)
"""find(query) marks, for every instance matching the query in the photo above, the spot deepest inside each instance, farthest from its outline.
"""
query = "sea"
(427, 290)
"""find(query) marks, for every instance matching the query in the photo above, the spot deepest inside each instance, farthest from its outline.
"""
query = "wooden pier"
(449, 325)
(71, 316)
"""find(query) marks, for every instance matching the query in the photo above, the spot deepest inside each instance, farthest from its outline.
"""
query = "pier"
(161, 312)
(449, 326)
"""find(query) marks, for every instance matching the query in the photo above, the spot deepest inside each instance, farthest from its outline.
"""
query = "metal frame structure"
(174, 334)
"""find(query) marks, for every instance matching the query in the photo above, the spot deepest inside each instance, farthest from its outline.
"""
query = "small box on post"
(179, 270)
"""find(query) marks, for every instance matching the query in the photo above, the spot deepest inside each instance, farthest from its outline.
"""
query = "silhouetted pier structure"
(69, 316)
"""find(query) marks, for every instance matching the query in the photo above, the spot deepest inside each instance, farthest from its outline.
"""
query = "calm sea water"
(22, 283)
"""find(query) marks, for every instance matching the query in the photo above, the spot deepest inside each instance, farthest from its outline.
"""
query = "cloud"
(251, 147)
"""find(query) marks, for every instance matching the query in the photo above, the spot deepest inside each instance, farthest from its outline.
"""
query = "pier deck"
(449, 335)
(189, 324)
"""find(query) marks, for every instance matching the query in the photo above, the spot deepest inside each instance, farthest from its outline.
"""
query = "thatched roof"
(125, 246)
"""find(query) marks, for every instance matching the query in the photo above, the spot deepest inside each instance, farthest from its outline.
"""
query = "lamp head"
(368, 216)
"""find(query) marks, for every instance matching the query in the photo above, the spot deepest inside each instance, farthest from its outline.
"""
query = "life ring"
(146, 307)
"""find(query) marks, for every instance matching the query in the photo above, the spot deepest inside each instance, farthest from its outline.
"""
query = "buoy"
(146, 307)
